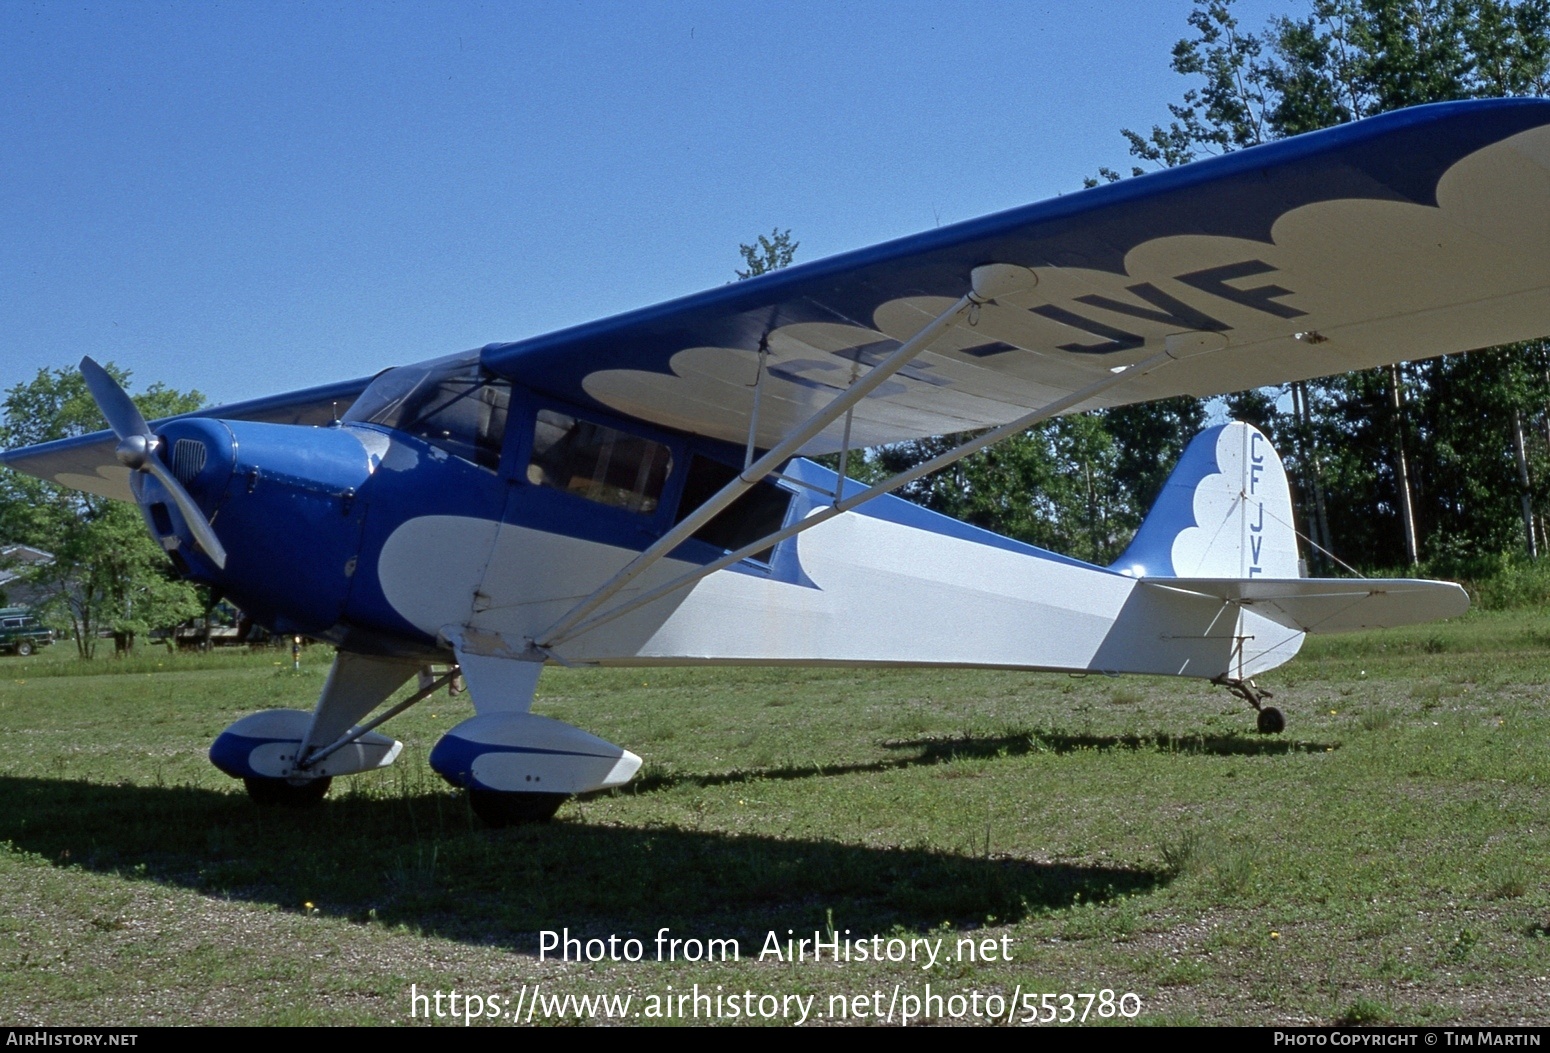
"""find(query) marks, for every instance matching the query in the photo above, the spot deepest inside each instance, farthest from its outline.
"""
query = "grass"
(1380, 862)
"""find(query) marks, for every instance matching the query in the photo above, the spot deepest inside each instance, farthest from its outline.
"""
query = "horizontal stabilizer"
(1332, 605)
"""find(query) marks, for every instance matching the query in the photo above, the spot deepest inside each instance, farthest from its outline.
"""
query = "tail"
(1222, 528)
(1225, 512)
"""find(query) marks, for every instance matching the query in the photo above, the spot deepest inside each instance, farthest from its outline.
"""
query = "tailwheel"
(499, 808)
(1270, 721)
(283, 793)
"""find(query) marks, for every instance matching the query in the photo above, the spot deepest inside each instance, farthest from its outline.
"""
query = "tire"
(24, 648)
(281, 793)
(1271, 722)
(499, 809)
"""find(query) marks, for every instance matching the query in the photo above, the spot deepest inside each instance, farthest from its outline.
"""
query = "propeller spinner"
(137, 452)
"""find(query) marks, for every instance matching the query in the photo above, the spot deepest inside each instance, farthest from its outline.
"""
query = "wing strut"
(573, 625)
(755, 472)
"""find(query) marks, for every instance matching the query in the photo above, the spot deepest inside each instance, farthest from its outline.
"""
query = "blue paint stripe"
(230, 753)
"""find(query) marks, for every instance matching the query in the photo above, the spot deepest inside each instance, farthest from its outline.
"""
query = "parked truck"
(21, 633)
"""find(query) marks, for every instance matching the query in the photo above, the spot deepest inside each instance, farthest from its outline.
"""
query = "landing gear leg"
(1270, 720)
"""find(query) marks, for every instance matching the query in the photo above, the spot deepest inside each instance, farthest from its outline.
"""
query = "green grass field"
(1382, 861)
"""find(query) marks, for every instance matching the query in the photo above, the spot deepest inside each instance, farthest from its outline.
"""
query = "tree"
(768, 254)
(107, 571)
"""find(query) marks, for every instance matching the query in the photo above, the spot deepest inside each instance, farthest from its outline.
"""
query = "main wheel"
(509, 809)
(282, 793)
(1271, 722)
(24, 648)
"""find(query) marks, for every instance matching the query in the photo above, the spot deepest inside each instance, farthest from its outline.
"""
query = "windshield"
(450, 403)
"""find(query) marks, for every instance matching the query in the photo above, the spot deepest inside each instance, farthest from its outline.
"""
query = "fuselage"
(407, 521)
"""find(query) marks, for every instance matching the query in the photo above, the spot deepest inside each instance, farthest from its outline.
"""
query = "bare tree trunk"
(1308, 453)
(1544, 419)
(81, 624)
(1525, 495)
(1092, 509)
(1402, 468)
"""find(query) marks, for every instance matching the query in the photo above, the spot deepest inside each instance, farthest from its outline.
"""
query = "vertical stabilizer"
(1225, 512)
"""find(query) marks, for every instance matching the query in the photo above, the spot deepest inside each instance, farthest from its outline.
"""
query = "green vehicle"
(21, 633)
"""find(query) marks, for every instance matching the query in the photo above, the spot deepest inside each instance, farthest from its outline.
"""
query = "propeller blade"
(137, 450)
(123, 416)
(204, 533)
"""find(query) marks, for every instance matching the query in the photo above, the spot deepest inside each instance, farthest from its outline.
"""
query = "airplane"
(639, 490)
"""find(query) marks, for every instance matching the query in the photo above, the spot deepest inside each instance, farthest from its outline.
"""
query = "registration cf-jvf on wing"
(633, 491)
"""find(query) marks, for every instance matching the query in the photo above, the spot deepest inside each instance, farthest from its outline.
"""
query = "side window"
(598, 463)
(759, 512)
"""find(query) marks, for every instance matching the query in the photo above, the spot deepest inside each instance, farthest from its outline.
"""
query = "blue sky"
(253, 197)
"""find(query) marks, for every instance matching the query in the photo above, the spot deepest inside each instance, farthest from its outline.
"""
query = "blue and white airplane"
(633, 491)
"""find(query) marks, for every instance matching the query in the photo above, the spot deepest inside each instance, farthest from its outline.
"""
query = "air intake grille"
(188, 459)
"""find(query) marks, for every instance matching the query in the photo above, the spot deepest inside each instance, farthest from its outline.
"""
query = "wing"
(1417, 233)
(86, 462)
(1332, 605)
(1412, 234)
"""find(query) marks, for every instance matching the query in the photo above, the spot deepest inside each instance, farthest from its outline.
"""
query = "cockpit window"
(599, 463)
(455, 405)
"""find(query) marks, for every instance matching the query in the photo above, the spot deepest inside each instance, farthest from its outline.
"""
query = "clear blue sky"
(246, 198)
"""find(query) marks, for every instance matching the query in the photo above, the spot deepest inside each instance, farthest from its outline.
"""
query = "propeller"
(137, 452)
